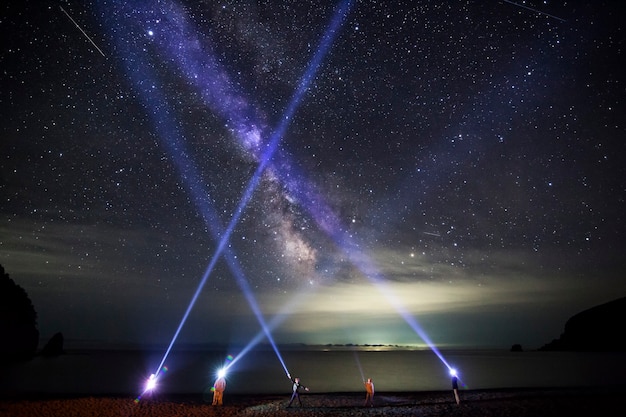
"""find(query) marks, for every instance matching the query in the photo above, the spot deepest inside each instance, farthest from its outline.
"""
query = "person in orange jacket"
(369, 389)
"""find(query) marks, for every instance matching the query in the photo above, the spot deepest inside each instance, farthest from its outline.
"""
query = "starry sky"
(351, 170)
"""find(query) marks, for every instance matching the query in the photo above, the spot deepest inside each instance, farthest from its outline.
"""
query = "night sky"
(358, 168)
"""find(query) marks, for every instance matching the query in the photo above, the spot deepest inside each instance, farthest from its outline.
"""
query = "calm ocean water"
(334, 370)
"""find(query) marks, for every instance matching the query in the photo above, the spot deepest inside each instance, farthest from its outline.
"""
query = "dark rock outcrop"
(516, 348)
(54, 347)
(595, 330)
(19, 335)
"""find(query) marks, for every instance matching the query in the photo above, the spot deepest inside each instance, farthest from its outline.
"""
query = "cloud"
(363, 308)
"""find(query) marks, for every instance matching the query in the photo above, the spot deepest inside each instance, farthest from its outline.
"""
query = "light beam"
(170, 136)
(323, 215)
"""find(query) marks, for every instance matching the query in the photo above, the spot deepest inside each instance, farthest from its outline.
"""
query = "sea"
(321, 369)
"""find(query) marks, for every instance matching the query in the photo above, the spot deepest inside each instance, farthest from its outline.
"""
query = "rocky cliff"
(598, 329)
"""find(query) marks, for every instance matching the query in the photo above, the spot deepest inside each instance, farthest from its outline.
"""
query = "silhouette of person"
(218, 390)
(295, 388)
(369, 390)
(455, 388)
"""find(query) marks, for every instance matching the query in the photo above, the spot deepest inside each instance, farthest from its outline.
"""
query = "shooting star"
(534, 10)
(432, 234)
(83, 32)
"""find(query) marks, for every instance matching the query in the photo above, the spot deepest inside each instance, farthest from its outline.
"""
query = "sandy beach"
(506, 402)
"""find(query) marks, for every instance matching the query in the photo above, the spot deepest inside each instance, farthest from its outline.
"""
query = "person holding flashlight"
(218, 389)
(455, 387)
(295, 388)
(369, 390)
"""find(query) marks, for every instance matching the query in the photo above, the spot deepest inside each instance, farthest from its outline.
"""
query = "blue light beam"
(166, 129)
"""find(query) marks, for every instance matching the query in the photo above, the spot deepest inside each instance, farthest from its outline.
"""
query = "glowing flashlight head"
(221, 373)
(151, 383)
(453, 372)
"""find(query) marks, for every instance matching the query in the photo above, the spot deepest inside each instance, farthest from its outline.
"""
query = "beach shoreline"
(519, 402)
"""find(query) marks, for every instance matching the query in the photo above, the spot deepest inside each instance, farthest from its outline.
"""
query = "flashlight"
(151, 383)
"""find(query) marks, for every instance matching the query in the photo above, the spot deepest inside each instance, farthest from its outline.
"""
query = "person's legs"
(291, 400)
